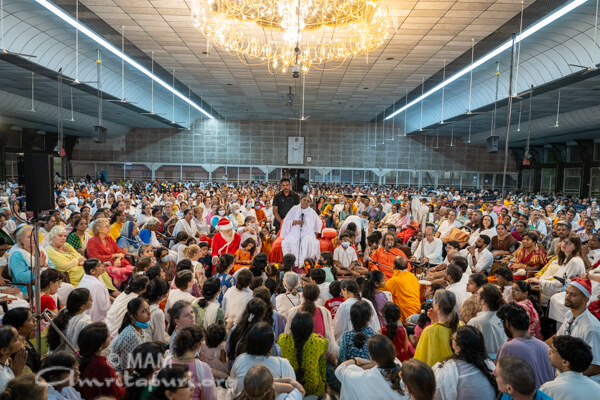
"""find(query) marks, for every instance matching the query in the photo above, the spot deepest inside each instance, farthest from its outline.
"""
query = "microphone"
(302, 217)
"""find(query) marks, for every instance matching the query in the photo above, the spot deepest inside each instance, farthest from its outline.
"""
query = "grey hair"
(22, 231)
(151, 222)
(291, 281)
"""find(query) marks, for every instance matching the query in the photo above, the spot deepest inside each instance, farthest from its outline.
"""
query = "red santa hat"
(584, 286)
(224, 224)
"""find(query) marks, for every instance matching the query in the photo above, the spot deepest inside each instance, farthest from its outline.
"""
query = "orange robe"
(386, 260)
(405, 289)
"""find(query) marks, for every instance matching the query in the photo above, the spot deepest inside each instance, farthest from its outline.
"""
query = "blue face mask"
(165, 259)
(346, 244)
(142, 325)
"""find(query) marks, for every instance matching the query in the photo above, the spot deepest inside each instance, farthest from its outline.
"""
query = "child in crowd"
(141, 265)
(335, 290)
(184, 280)
(244, 256)
(222, 269)
(213, 350)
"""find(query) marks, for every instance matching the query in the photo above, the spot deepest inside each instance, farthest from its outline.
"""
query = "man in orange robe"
(405, 289)
(384, 256)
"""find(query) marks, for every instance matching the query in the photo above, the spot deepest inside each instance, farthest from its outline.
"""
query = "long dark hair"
(254, 313)
(311, 293)
(76, 300)
(382, 351)
(370, 284)
(327, 256)
(151, 356)
(174, 313)
(169, 378)
(472, 350)
(391, 313)
(189, 338)
(352, 287)
(360, 314)
(210, 289)
(90, 340)
(265, 295)
(132, 309)
(301, 327)
(225, 260)
(137, 284)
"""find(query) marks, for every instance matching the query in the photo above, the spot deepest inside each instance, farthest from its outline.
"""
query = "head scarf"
(126, 234)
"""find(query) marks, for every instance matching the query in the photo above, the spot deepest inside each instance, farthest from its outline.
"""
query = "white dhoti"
(300, 240)
(557, 309)
(303, 247)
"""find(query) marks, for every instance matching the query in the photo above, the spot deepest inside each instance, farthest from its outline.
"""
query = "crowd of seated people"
(184, 291)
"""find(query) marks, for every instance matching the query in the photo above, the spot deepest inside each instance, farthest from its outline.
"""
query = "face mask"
(257, 206)
(71, 207)
(253, 226)
(273, 237)
(346, 244)
(80, 201)
(165, 259)
(142, 325)
(377, 209)
(221, 212)
(238, 211)
(382, 200)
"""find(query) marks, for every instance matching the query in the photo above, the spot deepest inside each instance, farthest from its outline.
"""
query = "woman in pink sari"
(103, 247)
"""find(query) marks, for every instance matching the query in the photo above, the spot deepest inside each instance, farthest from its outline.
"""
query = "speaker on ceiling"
(492, 144)
(35, 176)
(99, 134)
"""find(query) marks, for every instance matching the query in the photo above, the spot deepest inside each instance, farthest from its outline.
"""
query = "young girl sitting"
(193, 253)
(49, 281)
(213, 350)
(186, 345)
(141, 265)
(397, 334)
(223, 269)
(244, 256)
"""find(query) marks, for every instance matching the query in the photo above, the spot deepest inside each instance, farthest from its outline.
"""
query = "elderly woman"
(148, 234)
(104, 248)
(66, 258)
(200, 222)
(129, 241)
(22, 255)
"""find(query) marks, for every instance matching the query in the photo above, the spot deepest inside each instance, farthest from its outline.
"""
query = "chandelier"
(296, 34)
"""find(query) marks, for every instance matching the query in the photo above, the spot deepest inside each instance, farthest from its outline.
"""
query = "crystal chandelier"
(293, 34)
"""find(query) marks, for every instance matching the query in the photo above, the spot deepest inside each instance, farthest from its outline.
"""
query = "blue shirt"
(227, 281)
(538, 396)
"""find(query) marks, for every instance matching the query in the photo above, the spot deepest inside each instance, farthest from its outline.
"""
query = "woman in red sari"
(103, 247)
(529, 256)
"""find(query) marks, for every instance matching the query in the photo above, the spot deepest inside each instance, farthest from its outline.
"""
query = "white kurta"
(183, 226)
(300, 240)
(100, 297)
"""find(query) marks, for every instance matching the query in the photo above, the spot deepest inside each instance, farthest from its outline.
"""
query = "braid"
(299, 345)
(392, 328)
(391, 375)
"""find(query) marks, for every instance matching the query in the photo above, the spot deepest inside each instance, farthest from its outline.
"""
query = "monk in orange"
(384, 256)
(405, 289)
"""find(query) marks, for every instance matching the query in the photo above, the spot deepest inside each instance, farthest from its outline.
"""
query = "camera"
(296, 71)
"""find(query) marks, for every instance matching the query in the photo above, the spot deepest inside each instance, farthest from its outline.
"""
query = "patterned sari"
(76, 242)
(535, 259)
(97, 249)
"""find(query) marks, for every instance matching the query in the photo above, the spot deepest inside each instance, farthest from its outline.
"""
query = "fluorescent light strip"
(505, 46)
(98, 39)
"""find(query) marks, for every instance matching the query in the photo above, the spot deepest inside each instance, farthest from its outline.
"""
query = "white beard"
(228, 238)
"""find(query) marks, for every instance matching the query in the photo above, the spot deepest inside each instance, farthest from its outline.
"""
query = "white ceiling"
(422, 35)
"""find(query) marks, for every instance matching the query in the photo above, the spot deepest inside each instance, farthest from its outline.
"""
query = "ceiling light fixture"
(283, 33)
(104, 43)
(505, 46)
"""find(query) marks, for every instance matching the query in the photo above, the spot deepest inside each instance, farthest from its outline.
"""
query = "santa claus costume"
(226, 240)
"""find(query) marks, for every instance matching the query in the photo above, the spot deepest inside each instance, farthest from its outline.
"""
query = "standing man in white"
(299, 229)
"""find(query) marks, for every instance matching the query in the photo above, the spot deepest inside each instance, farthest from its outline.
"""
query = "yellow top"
(115, 230)
(434, 345)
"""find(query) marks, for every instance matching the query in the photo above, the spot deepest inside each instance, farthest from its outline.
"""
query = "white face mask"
(221, 212)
